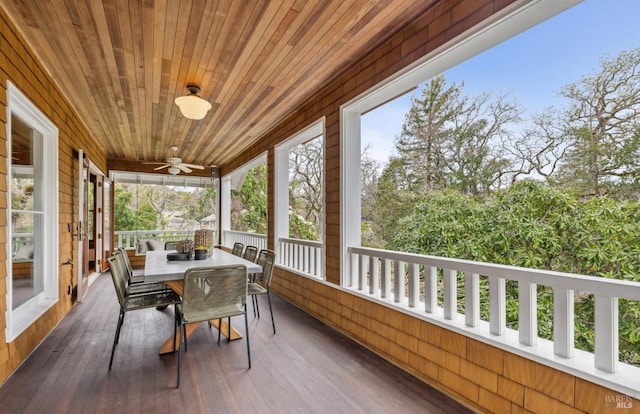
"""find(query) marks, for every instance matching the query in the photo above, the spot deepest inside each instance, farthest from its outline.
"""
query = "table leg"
(225, 329)
(167, 347)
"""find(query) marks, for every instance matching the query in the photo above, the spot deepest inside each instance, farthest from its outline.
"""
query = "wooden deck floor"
(306, 367)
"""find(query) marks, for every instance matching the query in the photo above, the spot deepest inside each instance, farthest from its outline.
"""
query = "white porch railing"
(18, 240)
(247, 239)
(303, 256)
(129, 239)
(371, 275)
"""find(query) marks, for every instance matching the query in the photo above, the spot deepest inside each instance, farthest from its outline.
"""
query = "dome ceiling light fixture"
(192, 106)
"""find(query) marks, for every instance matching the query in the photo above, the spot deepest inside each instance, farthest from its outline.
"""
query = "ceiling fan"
(176, 165)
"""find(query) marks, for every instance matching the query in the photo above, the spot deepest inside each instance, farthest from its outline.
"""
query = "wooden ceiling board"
(121, 64)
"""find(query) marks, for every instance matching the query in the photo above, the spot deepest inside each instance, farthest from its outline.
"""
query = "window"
(300, 201)
(243, 208)
(152, 209)
(32, 285)
(495, 30)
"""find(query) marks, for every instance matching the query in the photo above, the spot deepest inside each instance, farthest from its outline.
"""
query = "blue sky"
(532, 66)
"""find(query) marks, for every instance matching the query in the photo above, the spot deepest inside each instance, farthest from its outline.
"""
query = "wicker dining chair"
(136, 285)
(211, 293)
(133, 302)
(132, 277)
(259, 284)
(250, 253)
(237, 249)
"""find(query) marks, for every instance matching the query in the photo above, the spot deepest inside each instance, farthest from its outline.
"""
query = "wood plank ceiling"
(122, 63)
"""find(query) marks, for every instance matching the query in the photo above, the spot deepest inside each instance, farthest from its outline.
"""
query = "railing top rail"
(312, 243)
(257, 235)
(593, 284)
(152, 231)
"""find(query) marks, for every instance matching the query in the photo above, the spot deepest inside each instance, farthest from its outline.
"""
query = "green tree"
(249, 204)
(534, 225)
(124, 213)
(421, 142)
(306, 197)
(599, 129)
(392, 201)
(450, 139)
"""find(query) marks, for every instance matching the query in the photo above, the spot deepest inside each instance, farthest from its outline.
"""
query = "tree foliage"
(155, 207)
(249, 204)
(452, 140)
(598, 129)
(533, 225)
(306, 196)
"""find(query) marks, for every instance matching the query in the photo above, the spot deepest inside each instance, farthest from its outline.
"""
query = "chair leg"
(246, 328)
(229, 326)
(253, 305)
(182, 332)
(271, 311)
(117, 337)
(219, 329)
(184, 335)
(121, 322)
(176, 322)
(257, 305)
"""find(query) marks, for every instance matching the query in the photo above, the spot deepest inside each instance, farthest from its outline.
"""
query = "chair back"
(210, 291)
(250, 253)
(266, 259)
(126, 262)
(237, 248)
(119, 277)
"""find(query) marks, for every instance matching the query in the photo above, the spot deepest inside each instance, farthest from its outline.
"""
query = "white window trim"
(281, 184)
(514, 19)
(18, 320)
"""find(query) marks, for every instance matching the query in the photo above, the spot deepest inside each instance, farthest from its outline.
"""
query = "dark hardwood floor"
(306, 367)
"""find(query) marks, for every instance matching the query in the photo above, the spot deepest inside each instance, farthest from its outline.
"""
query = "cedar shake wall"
(19, 65)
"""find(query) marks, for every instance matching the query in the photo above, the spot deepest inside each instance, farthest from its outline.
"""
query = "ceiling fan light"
(192, 106)
(174, 170)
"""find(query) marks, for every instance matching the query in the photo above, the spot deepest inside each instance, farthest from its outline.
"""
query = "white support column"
(281, 197)
(606, 333)
(563, 320)
(350, 215)
(225, 208)
(450, 293)
(528, 313)
(497, 306)
(471, 299)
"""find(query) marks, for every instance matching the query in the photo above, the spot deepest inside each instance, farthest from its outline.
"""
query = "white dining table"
(157, 268)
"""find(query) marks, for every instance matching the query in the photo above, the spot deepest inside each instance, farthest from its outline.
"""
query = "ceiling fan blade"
(197, 167)
(161, 167)
(184, 168)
